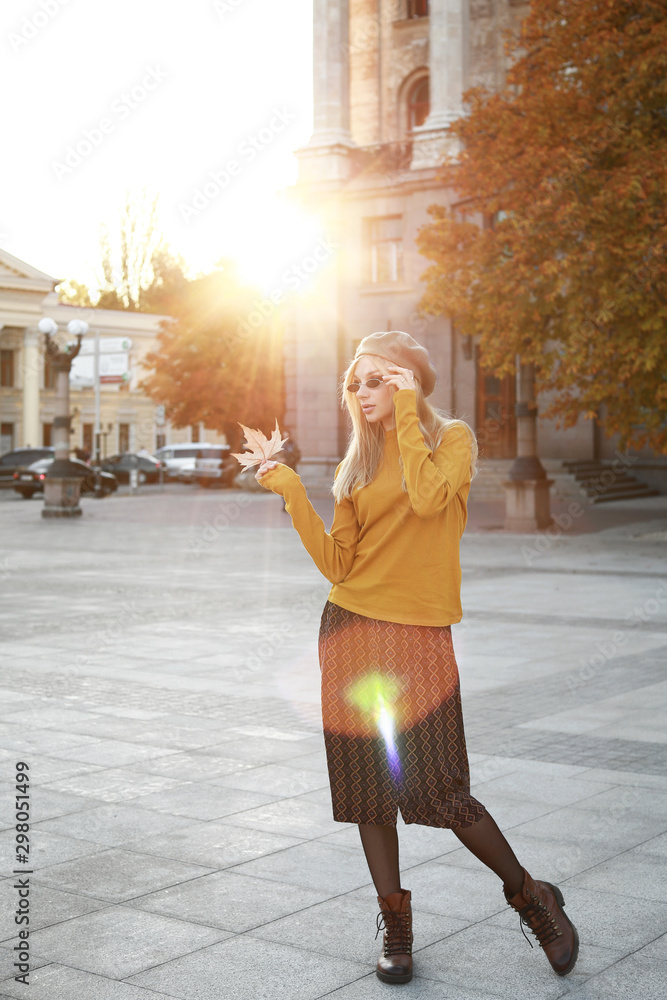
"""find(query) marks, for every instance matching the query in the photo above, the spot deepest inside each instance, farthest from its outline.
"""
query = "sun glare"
(281, 247)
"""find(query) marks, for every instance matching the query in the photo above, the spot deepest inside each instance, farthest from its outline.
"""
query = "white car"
(180, 459)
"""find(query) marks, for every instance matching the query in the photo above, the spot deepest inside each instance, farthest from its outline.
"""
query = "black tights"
(483, 838)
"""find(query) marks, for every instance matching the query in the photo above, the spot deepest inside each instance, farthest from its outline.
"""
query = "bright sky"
(102, 97)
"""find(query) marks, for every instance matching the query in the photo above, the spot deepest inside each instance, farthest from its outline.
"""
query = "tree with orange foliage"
(219, 360)
(554, 248)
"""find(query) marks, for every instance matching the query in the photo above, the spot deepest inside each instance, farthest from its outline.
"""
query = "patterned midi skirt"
(393, 727)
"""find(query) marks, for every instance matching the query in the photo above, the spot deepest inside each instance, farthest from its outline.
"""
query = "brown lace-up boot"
(395, 918)
(540, 906)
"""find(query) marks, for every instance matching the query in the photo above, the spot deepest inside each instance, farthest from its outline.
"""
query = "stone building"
(388, 78)
(129, 420)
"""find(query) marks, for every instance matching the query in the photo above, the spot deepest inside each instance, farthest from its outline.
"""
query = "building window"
(47, 435)
(386, 250)
(123, 438)
(160, 440)
(7, 368)
(417, 8)
(419, 103)
(6, 438)
(194, 433)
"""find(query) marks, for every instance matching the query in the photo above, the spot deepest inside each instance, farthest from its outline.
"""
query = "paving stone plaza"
(160, 681)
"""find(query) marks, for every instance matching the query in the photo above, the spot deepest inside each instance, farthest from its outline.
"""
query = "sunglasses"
(372, 383)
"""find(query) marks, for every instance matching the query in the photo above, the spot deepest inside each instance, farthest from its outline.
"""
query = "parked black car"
(19, 458)
(30, 480)
(120, 466)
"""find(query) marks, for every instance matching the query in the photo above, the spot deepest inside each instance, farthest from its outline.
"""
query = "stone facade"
(369, 174)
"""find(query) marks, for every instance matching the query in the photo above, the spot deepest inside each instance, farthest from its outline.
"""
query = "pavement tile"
(49, 716)
(419, 988)
(226, 899)
(605, 919)
(118, 875)
(634, 874)
(47, 905)
(41, 741)
(114, 753)
(205, 800)
(417, 843)
(262, 750)
(656, 950)
(635, 778)
(169, 737)
(453, 892)
(215, 844)
(275, 780)
(295, 817)
(44, 769)
(255, 968)
(115, 784)
(193, 765)
(115, 824)
(633, 978)
(58, 982)
(315, 865)
(121, 941)
(45, 803)
(598, 834)
(47, 848)
(656, 846)
(354, 919)
(485, 957)
(7, 970)
(553, 790)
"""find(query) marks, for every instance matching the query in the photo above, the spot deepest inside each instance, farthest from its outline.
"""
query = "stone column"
(326, 157)
(448, 65)
(32, 368)
(527, 505)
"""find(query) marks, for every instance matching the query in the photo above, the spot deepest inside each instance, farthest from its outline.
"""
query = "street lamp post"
(63, 480)
(527, 505)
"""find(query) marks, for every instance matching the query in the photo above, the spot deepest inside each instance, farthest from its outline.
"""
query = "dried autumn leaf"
(260, 447)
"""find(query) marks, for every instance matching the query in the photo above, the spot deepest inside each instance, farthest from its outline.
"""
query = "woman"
(391, 703)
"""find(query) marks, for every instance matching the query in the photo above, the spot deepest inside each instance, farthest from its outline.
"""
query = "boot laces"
(398, 935)
(541, 922)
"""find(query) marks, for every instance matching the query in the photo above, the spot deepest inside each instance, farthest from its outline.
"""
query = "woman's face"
(377, 405)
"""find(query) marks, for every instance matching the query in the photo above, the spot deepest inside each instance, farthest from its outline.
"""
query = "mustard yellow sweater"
(393, 555)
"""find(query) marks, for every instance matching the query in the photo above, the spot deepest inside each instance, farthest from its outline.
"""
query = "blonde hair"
(366, 445)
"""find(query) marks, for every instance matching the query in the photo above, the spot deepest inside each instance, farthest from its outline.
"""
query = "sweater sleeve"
(332, 553)
(432, 480)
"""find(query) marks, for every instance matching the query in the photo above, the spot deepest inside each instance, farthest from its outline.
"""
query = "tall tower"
(389, 77)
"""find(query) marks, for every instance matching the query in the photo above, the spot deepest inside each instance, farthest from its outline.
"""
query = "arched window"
(418, 103)
(417, 8)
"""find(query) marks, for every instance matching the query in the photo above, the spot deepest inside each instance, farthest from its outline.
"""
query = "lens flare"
(375, 695)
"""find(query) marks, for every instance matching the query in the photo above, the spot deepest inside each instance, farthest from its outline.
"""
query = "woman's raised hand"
(265, 467)
(402, 379)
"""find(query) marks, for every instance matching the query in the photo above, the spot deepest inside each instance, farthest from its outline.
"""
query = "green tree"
(554, 248)
(219, 360)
